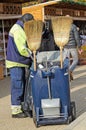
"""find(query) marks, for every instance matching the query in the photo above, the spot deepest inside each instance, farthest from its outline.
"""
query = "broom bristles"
(33, 30)
(61, 29)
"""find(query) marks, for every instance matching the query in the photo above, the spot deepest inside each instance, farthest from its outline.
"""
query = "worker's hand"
(80, 51)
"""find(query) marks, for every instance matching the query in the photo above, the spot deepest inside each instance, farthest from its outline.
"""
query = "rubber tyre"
(73, 110)
(34, 117)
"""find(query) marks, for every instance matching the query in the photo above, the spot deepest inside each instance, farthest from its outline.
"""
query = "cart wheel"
(34, 117)
(73, 111)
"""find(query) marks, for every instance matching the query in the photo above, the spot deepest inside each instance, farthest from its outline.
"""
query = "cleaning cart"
(51, 92)
(49, 78)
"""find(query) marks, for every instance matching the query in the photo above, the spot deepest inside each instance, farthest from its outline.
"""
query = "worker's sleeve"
(20, 41)
(77, 37)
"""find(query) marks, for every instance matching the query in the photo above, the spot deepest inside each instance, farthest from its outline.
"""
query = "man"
(71, 48)
(18, 58)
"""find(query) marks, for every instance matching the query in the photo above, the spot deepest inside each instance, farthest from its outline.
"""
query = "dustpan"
(33, 30)
(61, 30)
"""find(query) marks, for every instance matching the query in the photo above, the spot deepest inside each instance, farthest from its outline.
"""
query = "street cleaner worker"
(73, 47)
(18, 58)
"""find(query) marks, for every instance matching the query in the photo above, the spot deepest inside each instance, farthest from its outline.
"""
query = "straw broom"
(61, 29)
(33, 30)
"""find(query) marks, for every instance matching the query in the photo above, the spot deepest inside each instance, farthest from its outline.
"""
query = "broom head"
(61, 30)
(33, 30)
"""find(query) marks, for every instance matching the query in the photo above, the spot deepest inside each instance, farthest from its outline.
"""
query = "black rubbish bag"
(27, 104)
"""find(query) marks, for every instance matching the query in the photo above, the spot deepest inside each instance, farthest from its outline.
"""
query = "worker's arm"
(20, 41)
(77, 39)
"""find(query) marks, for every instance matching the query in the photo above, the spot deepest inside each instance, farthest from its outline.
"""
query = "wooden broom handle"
(34, 53)
(61, 56)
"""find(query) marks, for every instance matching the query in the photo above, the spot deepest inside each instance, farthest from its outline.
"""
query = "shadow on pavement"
(5, 87)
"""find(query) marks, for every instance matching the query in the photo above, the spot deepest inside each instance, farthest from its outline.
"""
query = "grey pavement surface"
(78, 94)
(78, 124)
